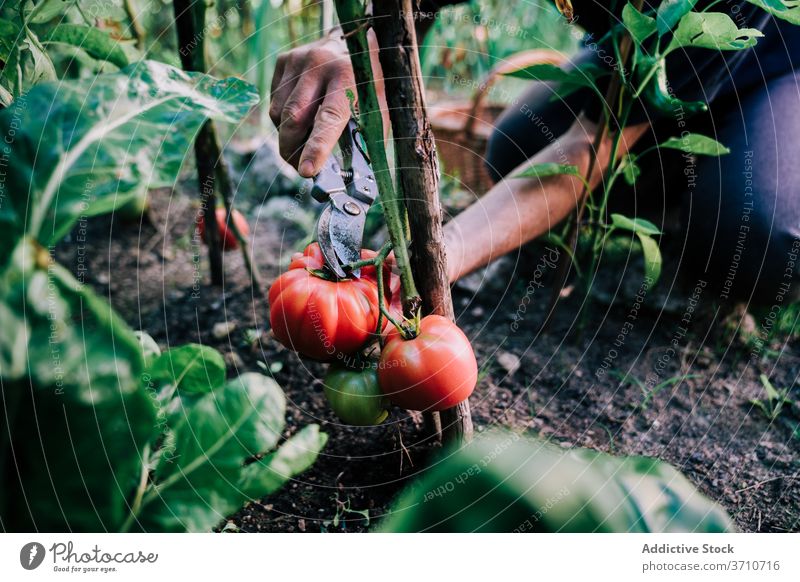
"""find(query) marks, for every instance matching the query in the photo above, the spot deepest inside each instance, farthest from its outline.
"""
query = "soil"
(562, 384)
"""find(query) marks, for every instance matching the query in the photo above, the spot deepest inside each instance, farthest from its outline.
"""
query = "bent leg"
(743, 211)
(532, 123)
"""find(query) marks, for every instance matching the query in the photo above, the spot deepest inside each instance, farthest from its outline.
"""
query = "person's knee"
(750, 255)
(497, 154)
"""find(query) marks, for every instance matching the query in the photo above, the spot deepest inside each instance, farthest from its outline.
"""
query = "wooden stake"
(418, 174)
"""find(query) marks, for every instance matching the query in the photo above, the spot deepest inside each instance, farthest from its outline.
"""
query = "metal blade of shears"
(349, 193)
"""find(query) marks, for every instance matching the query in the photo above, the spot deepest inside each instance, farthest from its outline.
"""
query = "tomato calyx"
(323, 273)
(408, 328)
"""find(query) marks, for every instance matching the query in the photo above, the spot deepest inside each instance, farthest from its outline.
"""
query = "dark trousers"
(740, 212)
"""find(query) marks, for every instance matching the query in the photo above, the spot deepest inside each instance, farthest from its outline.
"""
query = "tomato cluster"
(427, 367)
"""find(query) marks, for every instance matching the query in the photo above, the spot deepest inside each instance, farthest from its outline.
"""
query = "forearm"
(516, 211)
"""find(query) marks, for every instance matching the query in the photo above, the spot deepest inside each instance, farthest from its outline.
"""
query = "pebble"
(509, 362)
(222, 329)
(233, 360)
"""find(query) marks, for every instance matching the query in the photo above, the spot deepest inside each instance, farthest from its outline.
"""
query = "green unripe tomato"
(355, 397)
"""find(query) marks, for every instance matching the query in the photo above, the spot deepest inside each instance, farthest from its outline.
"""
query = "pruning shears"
(348, 186)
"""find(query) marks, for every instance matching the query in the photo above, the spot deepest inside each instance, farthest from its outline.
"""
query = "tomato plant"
(354, 395)
(433, 371)
(319, 316)
(229, 242)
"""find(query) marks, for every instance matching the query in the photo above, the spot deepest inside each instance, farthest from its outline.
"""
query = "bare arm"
(516, 211)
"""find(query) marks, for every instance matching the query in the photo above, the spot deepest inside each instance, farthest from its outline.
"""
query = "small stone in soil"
(509, 362)
(223, 329)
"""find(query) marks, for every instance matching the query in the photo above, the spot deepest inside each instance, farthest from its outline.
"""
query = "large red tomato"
(229, 242)
(321, 318)
(434, 371)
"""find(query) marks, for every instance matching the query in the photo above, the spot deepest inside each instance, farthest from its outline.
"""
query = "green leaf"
(81, 414)
(652, 258)
(657, 94)
(695, 143)
(504, 482)
(28, 63)
(95, 43)
(197, 484)
(630, 169)
(772, 394)
(548, 169)
(640, 26)
(265, 476)
(193, 368)
(712, 30)
(148, 346)
(643, 229)
(84, 149)
(670, 12)
(47, 10)
(635, 225)
(584, 75)
(788, 10)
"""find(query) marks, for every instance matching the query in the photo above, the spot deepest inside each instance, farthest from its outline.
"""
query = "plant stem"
(136, 506)
(136, 26)
(223, 181)
(189, 21)
(354, 21)
(612, 96)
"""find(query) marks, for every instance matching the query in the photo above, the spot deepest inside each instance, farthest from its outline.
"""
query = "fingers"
(297, 117)
(330, 121)
(283, 82)
(308, 88)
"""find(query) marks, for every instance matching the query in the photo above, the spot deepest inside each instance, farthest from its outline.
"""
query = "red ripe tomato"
(229, 242)
(321, 318)
(434, 371)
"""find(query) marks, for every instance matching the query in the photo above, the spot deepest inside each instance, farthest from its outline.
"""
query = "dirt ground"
(562, 385)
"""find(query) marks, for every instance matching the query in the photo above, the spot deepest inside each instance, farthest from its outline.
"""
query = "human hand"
(309, 102)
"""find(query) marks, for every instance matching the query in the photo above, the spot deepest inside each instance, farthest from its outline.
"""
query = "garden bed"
(544, 384)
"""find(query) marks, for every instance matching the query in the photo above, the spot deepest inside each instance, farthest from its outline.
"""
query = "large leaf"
(83, 149)
(74, 401)
(640, 26)
(786, 9)
(696, 143)
(712, 30)
(193, 368)
(197, 483)
(503, 482)
(95, 43)
(297, 454)
(670, 12)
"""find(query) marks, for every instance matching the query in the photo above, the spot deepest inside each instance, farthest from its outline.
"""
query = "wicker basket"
(462, 128)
